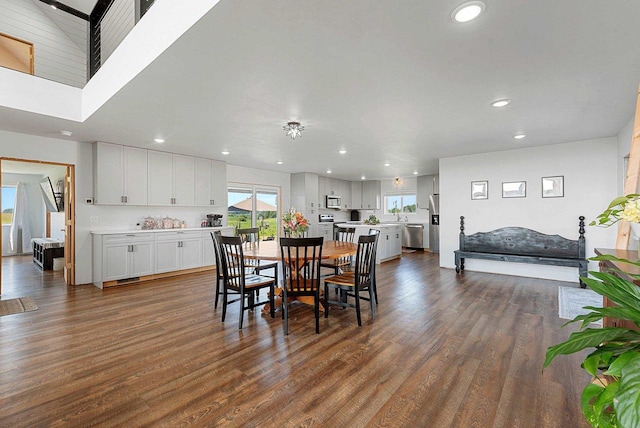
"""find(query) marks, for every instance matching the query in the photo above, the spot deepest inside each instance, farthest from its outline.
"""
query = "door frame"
(69, 217)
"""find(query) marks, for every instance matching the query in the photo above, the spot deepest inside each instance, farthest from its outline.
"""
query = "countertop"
(119, 231)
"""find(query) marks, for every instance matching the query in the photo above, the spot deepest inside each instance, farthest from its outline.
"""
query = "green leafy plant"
(621, 208)
(613, 398)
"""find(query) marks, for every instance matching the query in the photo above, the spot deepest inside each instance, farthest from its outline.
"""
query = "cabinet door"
(219, 183)
(115, 261)
(371, 195)
(322, 192)
(141, 259)
(345, 187)
(204, 171)
(208, 256)
(167, 256)
(356, 195)
(184, 179)
(135, 176)
(108, 180)
(424, 190)
(191, 253)
(160, 178)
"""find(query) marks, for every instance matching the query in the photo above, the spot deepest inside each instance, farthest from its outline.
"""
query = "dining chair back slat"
(301, 266)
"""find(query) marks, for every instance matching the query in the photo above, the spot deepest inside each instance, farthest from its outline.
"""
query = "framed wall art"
(514, 189)
(553, 187)
(479, 190)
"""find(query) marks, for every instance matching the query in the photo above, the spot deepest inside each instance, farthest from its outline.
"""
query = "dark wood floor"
(443, 351)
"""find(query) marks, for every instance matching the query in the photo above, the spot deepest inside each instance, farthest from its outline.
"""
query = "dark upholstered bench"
(522, 245)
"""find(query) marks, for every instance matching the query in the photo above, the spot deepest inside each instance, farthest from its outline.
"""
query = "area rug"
(16, 306)
(572, 300)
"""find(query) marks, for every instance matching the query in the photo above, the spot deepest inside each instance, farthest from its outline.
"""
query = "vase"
(635, 227)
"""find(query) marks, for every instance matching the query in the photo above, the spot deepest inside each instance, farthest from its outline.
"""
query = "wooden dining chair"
(341, 264)
(374, 282)
(219, 272)
(301, 266)
(251, 238)
(236, 278)
(353, 285)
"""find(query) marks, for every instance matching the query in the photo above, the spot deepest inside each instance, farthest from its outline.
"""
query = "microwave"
(333, 201)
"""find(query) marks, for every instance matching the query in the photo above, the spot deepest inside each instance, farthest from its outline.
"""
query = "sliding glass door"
(254, 206)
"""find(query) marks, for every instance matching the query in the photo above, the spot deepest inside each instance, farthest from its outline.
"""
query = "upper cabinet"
(356, 195)
(371, 195)
(120, 175)
(211, 183)
(334, 187)
(171, 179)
(304, 194)
(427, 186)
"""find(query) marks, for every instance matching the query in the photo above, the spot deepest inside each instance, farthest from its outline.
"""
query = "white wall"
(625, 136)
(590, 182)
(56, 55)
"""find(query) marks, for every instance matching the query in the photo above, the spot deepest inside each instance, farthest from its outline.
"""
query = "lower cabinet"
(127, 256)
(178, 250)
(390, 245)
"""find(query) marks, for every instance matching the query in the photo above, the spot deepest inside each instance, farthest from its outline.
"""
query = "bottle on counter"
(176, 223)
(183, 225)
(167, 223)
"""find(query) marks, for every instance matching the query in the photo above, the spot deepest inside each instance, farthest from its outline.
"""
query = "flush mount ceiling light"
(467, 11)
(396, 181)
(294, 129)
(159, 140)
(501, 103)
(519, 136)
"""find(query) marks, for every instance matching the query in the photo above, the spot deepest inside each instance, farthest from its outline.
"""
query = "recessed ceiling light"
(279, 162)
(467, 11)
(53, 6)
(519, 136)
(387, 164)
(159, 140)
(363, 178)
(225, 152)
(342, 151)
(501, 103)
(66, 133)
(415, 172)
(328, 171)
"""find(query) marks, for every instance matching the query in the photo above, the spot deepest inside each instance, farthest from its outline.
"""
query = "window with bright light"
(8, 203)
(253, 206)
(400, 204)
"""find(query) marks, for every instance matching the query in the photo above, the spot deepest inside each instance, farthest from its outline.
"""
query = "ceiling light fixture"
(342, 151)
(159, 140)
(53, 6)
(225, 152)
(415, 172)
(519, 136)
(387, 164)
(396, 181)
(501, 103)
(363, 178)
(66, 133)
(279, 162)
(328, 171)
(294, 129)
(467, 11)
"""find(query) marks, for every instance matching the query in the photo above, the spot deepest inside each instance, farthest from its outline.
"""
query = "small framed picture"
(479, 190)
(553, 187)
(514, 189)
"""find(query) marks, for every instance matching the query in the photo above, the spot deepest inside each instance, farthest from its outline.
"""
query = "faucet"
(398, 214)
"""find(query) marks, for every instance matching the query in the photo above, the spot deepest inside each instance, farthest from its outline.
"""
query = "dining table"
(270, 250)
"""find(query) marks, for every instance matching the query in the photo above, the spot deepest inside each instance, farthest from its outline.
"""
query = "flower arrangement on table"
(294, 223)
(621, 208)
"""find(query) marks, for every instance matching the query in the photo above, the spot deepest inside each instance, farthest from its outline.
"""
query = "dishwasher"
(413, 235)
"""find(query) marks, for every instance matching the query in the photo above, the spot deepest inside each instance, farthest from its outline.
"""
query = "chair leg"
(316, 307)
(326, 304)
(374, 285)
(224, 303)
(357, 296)
(285, 312)
(373, 307)
(215, 305)
(242, 296)
(272, 300)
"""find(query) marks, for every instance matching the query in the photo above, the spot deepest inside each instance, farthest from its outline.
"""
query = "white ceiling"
(85, 6)
(395, 82)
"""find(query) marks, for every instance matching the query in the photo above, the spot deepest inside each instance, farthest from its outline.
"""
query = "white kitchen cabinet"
(178, 250)
(123, 256)
(120, 175)
(424, 190)
(171, 179)
(356, 195)
(304, 195)
(371, 195)
(210, 182)
(325, 230)
(346, 195)
(391, 243)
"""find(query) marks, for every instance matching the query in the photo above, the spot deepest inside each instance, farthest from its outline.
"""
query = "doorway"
(43, 209)
(16, 54)
(254, 206)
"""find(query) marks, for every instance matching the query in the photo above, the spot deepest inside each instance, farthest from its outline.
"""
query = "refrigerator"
(434, 224)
